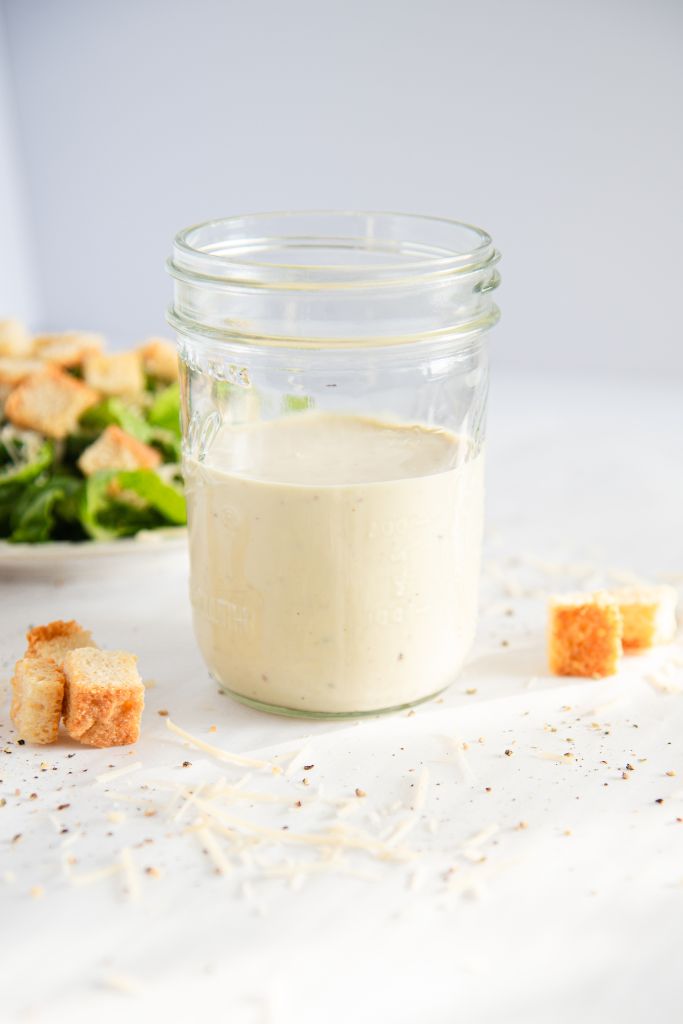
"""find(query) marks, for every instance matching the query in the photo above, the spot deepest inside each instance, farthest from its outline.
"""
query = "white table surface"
(576, 917)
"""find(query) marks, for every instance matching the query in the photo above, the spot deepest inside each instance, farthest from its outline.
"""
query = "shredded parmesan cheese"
(132, 880)
(189, 800)
(93, 876)
(401, 830)
(121, 983)
(597, 711)
(246, 859)
(240, 782)
(128, 798)
(333, 837)
(461, 760)
(348, 807)
(208, 842)
(659, 682)
(479, 838)
(70, 840)
(118, 772)
(221, 755)
(300, 758)
(472, 882)
(235, 793)
(420, 794)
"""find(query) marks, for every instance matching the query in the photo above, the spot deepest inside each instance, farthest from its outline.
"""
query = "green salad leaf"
(118, 503)
(41, 507)
(164, 418)
(165, 498)
(44, 495)
(161, 429)
(23, 458)
(165, 410)
(22, 461)
(75, 444)
(167, 443)
(114, 410)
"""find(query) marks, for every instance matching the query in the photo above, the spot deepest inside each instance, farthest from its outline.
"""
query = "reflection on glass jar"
(334, 378)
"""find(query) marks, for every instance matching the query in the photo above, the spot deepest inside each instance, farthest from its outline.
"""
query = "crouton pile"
(589, 632)
(63, 675)
(47, 382)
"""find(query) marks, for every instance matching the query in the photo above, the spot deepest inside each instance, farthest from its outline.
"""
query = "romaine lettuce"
(23, 458)
(118, 503)
(165, 410)
(114, 410)
(43, 506)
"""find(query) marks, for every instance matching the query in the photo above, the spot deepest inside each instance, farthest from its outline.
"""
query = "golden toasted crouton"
(115, 449)
(13, 370)
(37, 696)
(15, 340)
(648, 614)
(50, 402)
(55, 640)
(68, 349)
(116, 374)
(584, 635)
(104, 697)
(160, 358)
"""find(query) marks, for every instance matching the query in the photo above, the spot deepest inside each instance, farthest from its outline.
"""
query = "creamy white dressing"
(335, 560)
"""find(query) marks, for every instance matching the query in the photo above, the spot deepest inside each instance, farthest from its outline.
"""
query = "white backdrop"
(19, 293)
(556, 126)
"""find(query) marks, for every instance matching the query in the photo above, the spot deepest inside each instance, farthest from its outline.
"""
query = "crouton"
(115, 449)
(584, 635)
(50, 402)
(104, 697)
(15, 340)
(160, 358)
(648, 614)
(37, 696)
(117, 374)
(68, 349)
(55, 640)
(13, 370)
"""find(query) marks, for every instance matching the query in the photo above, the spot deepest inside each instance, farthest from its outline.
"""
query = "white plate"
(58, 552)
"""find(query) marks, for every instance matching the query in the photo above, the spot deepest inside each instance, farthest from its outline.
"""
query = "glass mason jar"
(334, 382)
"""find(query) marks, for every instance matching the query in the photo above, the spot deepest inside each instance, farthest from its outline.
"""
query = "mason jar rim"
(228, 256)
